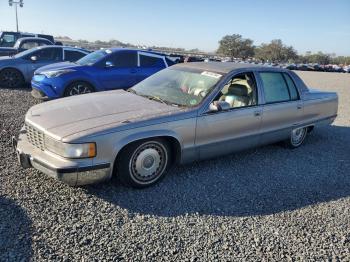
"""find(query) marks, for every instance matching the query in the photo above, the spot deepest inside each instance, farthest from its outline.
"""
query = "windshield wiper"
(157, 98)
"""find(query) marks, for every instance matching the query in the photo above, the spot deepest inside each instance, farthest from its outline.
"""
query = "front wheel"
(297, 137)
(11, 78)
(78, 88)
(142, 164)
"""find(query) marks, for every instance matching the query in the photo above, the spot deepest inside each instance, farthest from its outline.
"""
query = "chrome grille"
(35, 137)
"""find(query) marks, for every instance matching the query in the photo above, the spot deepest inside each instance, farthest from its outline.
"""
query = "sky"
(307, 25)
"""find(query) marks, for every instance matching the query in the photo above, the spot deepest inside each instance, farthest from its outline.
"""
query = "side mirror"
(109, 64)
(33, 58)
(219, 106)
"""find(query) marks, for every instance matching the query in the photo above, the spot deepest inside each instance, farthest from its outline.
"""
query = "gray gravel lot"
(269, 203)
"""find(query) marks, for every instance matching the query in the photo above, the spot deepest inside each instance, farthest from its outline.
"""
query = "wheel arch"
(14, 68)
(173, 140)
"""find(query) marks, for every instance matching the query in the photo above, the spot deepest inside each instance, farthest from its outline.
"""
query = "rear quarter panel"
(320, 107)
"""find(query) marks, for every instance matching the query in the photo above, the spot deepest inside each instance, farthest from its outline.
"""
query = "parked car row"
(317, 67)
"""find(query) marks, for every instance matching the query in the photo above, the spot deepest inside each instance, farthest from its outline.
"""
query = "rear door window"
(72, 56)
(150, 61)
(275, 87)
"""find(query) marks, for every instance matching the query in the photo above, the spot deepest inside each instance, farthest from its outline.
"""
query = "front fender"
(120, 144)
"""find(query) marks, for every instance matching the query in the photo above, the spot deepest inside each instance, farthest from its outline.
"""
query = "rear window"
(150, 61)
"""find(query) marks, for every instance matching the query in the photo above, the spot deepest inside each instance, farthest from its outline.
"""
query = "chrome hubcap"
(79, 89)
(298, 136)
(148, 162)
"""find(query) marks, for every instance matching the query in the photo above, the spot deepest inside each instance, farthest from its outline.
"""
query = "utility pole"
(16, 3)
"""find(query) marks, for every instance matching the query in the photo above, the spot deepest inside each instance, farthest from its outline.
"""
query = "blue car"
(116, 68)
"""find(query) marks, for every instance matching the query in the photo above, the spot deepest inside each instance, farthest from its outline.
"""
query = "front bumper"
(73, 173)
(45, 89)
(36, 93)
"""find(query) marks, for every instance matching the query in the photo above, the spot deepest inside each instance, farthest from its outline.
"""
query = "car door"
(119, 70)
(43, 56)
(149, 64)
(236, 128)
(283, 108)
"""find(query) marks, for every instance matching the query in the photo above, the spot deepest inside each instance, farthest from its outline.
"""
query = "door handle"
(133, 71)
(299, 107)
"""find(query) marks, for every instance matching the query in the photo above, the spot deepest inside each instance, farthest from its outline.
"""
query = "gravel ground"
(262, 204)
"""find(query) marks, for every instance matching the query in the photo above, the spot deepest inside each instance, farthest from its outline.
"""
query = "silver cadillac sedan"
(185, 113)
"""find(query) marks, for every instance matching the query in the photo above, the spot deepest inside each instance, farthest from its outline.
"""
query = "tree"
(317, 58)
(235, 46)
(276, 51)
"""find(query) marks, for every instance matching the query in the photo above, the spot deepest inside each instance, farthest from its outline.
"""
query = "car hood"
(68, 116)
(57, 66)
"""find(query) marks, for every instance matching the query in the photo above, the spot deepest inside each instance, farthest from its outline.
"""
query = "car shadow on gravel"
(15, 232)
(261, 181)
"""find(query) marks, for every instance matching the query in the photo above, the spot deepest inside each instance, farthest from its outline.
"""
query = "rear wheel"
(11, 78)
(142, 164)
(297, 137)
(78, 88)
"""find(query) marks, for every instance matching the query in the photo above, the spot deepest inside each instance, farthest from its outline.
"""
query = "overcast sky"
(321, 25)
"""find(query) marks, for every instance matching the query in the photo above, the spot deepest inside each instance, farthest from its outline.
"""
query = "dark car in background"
(107, 69)
(19, 69)
(24, 44)
(8, 38)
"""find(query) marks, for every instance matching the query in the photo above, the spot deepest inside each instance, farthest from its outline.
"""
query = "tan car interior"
(240, 91)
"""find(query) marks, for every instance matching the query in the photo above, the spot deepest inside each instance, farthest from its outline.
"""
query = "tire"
(78, 88)
(144, 163)
(297, 137)
(11, 78)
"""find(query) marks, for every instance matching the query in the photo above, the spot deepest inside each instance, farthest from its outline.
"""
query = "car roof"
(224, 67)
(33, 38)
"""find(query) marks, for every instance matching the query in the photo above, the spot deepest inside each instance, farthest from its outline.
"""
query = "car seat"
(236, 96)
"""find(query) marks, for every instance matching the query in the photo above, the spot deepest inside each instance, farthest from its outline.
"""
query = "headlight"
(56, 73)
(85, 150)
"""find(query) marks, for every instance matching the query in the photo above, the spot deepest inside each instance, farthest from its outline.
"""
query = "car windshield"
(92, 58)
(178, 86)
